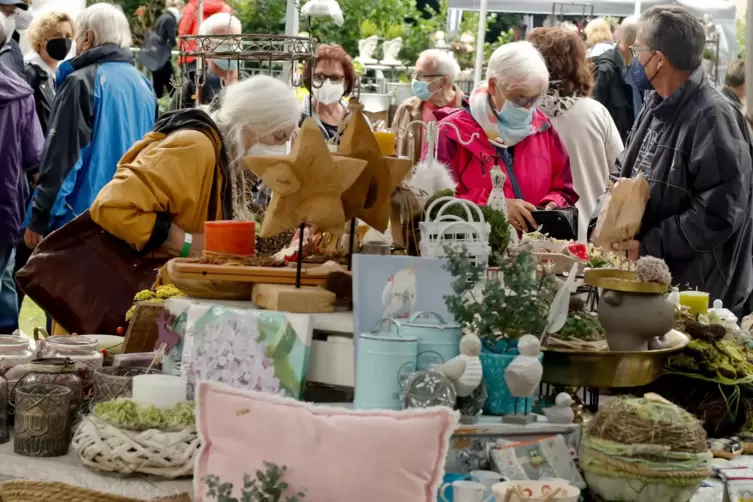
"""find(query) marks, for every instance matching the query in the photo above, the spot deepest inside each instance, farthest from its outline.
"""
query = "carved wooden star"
(369, 197)
(307, 185)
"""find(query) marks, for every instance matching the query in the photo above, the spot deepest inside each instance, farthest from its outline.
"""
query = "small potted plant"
(499, 309)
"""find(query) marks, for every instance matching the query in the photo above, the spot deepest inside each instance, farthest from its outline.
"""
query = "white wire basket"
(451, 230)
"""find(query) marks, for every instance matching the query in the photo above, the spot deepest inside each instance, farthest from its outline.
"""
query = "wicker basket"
(37, 491)
(102, 446)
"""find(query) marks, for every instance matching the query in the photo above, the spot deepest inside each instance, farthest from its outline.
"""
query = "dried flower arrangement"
(265, 486)
(158, 295)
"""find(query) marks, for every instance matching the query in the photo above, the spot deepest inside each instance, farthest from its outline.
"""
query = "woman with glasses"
(500, 126)
(433, 88)
(585, 125)
(333, 79)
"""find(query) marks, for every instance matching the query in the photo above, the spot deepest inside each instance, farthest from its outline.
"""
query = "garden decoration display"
(464, 370)
(307, 184)
(500, 312)
(368, 198)
(368, 43)
(562, 411)
(391, 49)
(438, 341)
(523, 376)
(633, 309)
(427, 388)
(644, 450)
(124, 437)
(498, 201)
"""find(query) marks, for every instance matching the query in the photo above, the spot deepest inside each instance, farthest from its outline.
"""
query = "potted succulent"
(367, 45)
(499, 309)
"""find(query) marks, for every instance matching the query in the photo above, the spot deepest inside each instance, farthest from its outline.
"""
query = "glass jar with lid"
(14, 350)
(53, 371)
(82, 350)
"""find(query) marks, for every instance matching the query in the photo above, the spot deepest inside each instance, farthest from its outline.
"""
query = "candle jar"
(112, 383)
(82, 350)
(43, 421)
(14, 350)
(696, 301)
(53, 371)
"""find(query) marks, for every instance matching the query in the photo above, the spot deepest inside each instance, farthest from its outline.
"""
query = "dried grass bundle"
(643, 421)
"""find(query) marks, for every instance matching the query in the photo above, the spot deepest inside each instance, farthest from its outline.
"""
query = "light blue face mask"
(514, 123)
(226, 64)
(421, 89)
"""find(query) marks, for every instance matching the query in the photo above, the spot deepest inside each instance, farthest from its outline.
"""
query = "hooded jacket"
(189, 24)
(103, 106)
(695, 150)
(540, 165)
(613, 92)
(21, 143)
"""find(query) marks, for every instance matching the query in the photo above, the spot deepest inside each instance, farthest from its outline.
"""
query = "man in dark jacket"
(695, 150)
(20, 147)
(734, 83)
(10, 53)
(613, 86)
(156, 53)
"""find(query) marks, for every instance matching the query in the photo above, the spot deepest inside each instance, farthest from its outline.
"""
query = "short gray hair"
(215, 22)
(735, 74)
(444, 63)
(108, 24)
(628, 31)
(676, 33)
(516, 65)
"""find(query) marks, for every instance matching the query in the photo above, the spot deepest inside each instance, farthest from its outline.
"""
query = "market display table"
(69, 470)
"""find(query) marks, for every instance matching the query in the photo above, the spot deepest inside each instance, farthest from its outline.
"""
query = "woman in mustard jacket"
(190, 169)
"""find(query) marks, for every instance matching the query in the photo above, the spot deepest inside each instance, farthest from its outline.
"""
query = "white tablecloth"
(69, 470)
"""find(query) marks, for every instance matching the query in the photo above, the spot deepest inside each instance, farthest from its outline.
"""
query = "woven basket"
(37, 491)
(104, 447)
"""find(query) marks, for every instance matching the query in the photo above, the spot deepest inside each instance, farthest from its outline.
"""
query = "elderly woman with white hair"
(433, 88)
(500, 126)
(218, 72)
(190, 168)
(599, 37)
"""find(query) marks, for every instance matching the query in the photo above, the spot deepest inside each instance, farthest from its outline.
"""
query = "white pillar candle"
(162, 391)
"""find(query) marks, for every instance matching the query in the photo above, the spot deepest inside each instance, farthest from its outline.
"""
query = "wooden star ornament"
(369, 197)
(307, 185)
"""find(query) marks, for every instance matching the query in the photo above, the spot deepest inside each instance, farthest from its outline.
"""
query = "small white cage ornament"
(450, 230)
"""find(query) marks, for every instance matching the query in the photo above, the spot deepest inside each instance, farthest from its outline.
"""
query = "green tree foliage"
(740, 38)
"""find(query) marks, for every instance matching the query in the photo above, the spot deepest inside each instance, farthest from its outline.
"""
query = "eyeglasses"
(636, 49)
(421, 76)
(319, 79)
(524, 102)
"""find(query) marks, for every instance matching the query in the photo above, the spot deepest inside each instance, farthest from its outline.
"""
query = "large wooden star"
(369, 197)
(307, 185)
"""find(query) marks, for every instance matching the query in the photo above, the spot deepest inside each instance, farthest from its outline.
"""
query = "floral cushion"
(334, 454)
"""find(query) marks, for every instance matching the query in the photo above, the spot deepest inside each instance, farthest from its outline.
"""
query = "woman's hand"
(632, 248)
(519, 214)
(32, 239)
(550, 206)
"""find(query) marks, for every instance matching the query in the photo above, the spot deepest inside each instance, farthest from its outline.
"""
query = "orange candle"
(230, 237)
(386, 142)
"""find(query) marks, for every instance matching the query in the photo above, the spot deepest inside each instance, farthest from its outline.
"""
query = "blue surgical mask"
(226, 64)
(421, 89)
(514, 123)
(639, 77)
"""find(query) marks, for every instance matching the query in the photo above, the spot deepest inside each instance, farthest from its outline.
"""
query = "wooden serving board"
(258, 275)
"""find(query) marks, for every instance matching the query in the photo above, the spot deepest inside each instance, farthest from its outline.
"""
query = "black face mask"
(58, 48)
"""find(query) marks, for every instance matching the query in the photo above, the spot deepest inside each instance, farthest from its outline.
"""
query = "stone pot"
(632, 319)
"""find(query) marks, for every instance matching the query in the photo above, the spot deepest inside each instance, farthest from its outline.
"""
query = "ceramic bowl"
(537, 491)
(112, 343)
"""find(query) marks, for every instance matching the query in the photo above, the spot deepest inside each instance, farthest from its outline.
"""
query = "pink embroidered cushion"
(335, 454)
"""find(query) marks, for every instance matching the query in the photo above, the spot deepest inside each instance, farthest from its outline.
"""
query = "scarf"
(494, 125)
(554, 105)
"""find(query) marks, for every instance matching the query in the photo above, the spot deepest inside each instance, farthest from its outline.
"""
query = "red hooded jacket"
(189, 23)
(540, 164)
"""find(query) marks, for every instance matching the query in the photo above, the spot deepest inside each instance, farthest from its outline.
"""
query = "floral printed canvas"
(247, 349)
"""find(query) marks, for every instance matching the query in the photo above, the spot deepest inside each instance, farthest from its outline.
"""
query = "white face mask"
(262, 150)
(23, 19)
(329, 93)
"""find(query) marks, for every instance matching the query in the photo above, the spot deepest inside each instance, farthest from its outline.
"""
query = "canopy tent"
(722, 12)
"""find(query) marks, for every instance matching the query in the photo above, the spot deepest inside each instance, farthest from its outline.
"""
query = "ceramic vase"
(631, 320)
(366, 49)
(499, 400)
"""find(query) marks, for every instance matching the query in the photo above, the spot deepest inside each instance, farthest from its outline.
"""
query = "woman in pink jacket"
(500, 125)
